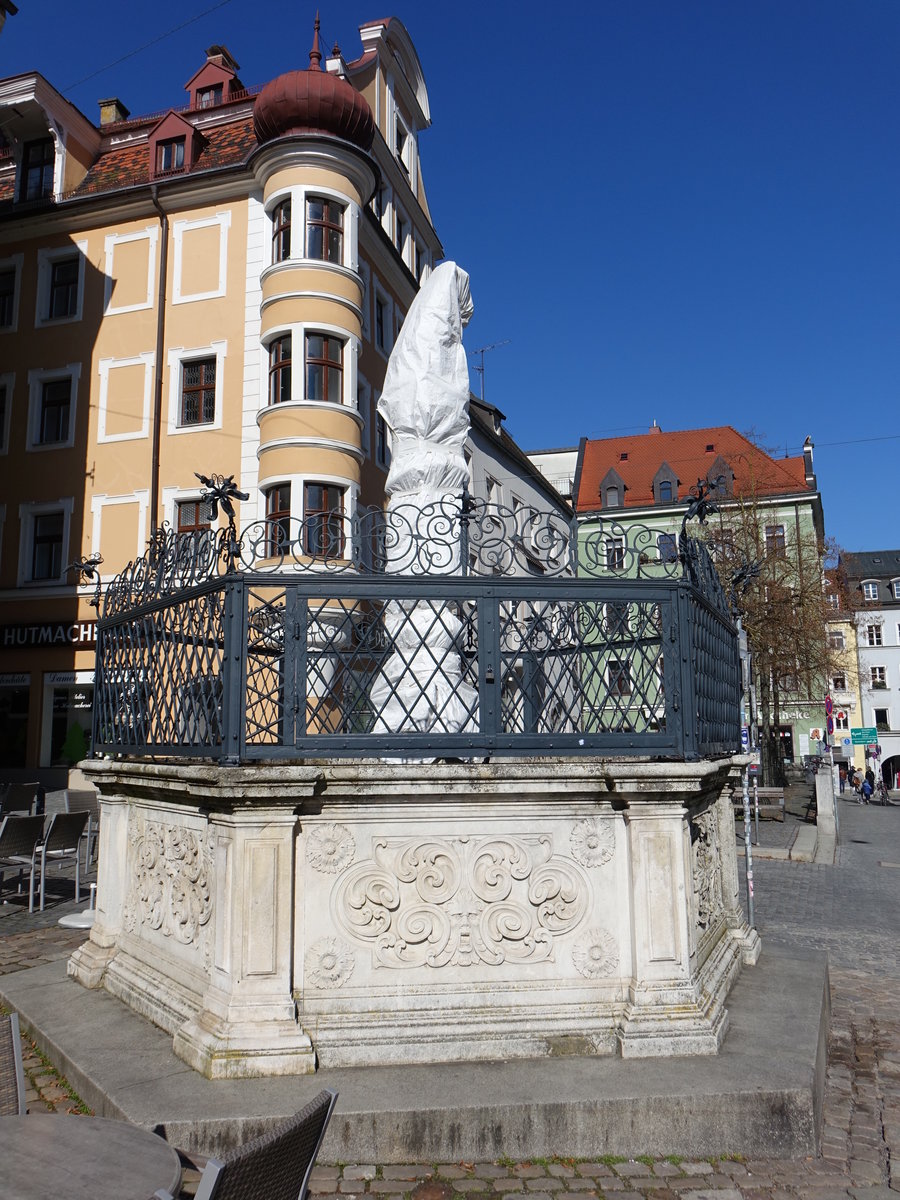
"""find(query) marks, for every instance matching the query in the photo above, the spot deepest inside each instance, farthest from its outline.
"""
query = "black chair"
(61, 843)
(22, 797)
(86, 800)
(12, 1074)
(274, 1166)
(20, 838)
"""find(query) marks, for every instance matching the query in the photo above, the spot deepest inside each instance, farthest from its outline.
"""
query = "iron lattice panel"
(264, 687)
(717, 671)
(159, 678)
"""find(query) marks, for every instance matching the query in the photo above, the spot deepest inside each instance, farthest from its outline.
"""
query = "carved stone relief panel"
(170, 887)
(707, 868)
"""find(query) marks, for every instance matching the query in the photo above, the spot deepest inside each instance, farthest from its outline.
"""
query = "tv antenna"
(482, 350)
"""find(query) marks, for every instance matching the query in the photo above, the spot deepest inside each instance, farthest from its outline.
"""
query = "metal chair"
(20, 838)
(61, 843)
(88, 801)
(12, 1074)
(22, 797)
(274, 1166)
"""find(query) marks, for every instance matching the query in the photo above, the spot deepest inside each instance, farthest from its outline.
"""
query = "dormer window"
(209, 96)
(870, 590)
(665, 485)
(664, 492)
(611, 497)
(37, 170)
(170, 155)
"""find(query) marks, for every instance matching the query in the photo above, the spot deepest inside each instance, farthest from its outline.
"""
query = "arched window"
(664, 490)
(612, 497)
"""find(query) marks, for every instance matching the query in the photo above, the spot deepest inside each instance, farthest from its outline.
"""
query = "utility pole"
(482, 350)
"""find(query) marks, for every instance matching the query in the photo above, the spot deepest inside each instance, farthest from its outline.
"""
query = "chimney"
(654, 428)
(808, 471)
(112, 110)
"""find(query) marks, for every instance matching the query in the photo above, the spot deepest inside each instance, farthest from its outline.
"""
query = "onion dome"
(313, 101)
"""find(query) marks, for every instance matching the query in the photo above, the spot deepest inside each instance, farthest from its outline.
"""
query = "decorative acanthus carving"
(171, 882)
(461, 901)
(329, 963)
(330, 848)
(596, 953)
(593, 842)
(707, 868)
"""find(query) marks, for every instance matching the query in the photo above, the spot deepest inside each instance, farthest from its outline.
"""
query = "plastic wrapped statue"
(425, 404)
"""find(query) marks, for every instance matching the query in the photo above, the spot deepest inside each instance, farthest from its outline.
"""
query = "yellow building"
(213, 289)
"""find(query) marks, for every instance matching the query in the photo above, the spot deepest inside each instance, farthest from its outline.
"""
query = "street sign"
(860, 737)
(829, 724)
(829, 706)
(745, 736)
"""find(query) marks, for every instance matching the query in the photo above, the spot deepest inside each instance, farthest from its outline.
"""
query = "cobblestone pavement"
(850, 909)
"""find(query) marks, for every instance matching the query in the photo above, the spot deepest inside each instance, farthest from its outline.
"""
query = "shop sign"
(52, 633)
(15, 679)
(68, 677)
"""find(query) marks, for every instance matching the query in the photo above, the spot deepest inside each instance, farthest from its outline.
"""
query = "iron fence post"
(489, 682)
(685, 625)
(234, 657)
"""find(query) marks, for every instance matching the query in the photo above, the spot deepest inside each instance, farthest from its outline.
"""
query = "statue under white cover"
(425, 404)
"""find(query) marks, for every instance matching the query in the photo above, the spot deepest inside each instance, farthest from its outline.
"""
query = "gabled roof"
(871, 564)
(691, 453)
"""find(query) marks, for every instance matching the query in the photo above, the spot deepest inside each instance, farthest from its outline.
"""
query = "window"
(280, 370)
(281, 232)
(170, 155)
(37, 170)
(721, 544)
(47, 546)
(618, 677)
(324, 229)
(198, 392)
(381, 318)
(402, 235)
(5, 405)
(870, 590)
(836, 639)
(382, 443)
(380, 202)
(278, 519)
(839, 682)
(54, 412)
(833, 601)
(491, 490)
(664, 491)
(402, 144)
(617, 620)
(324, 368)
(63, 292)
(873, 635)
(193, 517)
(7, 297)
(419, 260)
(207, 97)
(615, 553)
(882, 719)
(895, 589)
(323, 520)
(668, 552)
(775, 541)
(878, 677)
(612, 498)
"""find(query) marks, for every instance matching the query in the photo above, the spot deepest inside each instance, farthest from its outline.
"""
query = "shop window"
(324, 368)
(198, 392)
(37, 170)
(324, 229)
(281, 232)
(170, 156)
(280, 370)
(13, 723)
(278, 519)
(70, 724)
(62, 300)
(323, 520)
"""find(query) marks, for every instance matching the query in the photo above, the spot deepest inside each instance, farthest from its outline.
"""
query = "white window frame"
(836, 639)
(297, 485)
(147, 359)
(839, 686)
(99, 502)
(45, 260)
(873, 635)
(13, 261)
(179, 229)
(27, 514)
(8, 382)
(111, 241)
(178, 356)
(382, 456)
(402, 246)
(842, 723)
(895, 588)
(364, 408)
(870, 589)
(298, 333)
(298, 196)
(36, 381)
(173, 496)
(877, 675)
(379, 294)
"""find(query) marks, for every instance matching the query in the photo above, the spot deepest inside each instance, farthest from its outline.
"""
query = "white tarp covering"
(425, 404)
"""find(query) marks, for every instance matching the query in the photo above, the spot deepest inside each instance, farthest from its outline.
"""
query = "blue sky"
(685, 211)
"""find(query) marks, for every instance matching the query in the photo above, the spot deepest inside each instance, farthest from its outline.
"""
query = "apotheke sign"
(52, 633)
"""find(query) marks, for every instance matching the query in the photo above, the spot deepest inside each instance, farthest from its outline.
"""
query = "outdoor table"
(83, 1158)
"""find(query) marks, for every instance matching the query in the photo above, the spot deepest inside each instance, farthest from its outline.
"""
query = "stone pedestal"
(350, 913)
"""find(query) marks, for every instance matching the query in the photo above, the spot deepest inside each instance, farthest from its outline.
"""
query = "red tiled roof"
(124, 166)
(685, 451)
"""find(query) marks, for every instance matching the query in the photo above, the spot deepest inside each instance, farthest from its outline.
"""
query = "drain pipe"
(160, 345)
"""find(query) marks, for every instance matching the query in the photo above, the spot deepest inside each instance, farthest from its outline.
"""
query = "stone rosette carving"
(461, 901)
(707, 868)
(593, 842)
(596, 954)
(329, 963)
(171, 883)
(330, 848)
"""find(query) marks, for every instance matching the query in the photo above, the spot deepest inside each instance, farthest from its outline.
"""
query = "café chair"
(12, 1074)
(61, 843)
(20, 838)
(274, 1166)
(86, 800)
(20, 797)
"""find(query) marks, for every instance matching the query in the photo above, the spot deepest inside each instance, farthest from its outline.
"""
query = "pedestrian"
(842, 777)
(866, 790)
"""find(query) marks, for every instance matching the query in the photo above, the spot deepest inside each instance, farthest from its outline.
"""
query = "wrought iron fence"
(347, 640)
